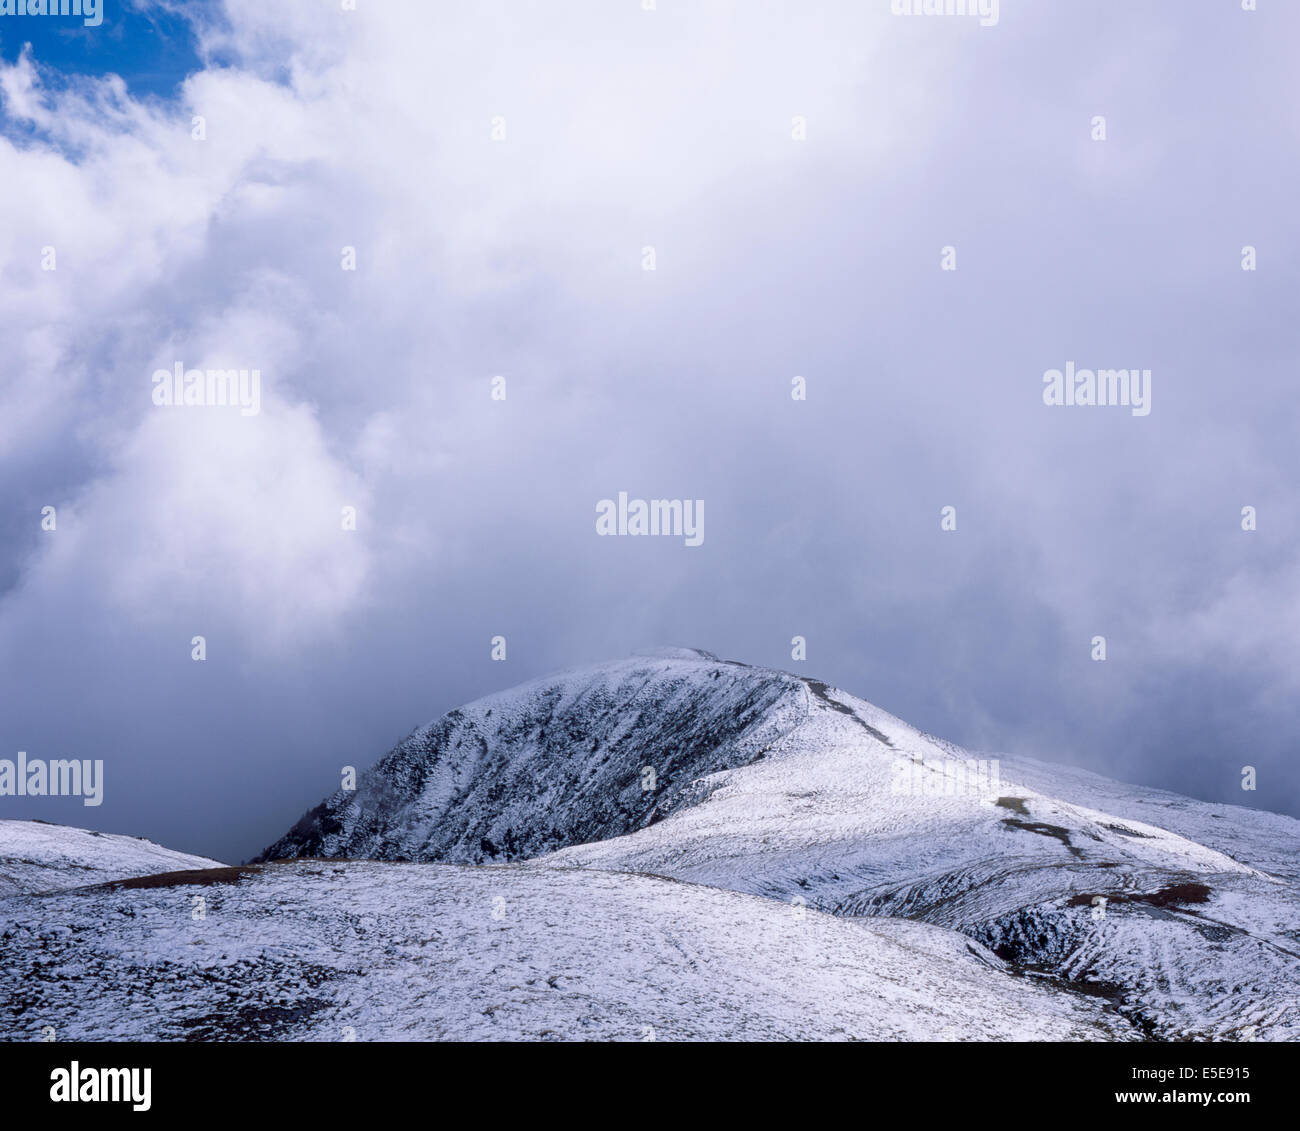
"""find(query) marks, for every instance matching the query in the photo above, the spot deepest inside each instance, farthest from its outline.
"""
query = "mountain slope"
(316, 950)
(36, 856)
(1191, 933)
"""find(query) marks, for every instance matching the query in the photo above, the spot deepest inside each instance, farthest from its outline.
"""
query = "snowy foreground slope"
(36, 856)
(1183, 916)
(321, 950)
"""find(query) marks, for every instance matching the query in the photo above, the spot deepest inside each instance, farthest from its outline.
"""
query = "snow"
(319, 950)
(36, 856)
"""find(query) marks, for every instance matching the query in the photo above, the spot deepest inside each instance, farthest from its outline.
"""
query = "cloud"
(498, 170)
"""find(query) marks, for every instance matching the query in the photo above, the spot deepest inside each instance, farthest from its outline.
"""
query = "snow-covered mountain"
(676, 847)
(1184, 915)
(36, 856)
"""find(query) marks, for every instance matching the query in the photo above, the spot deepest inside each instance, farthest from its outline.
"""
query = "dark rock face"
(574, 758)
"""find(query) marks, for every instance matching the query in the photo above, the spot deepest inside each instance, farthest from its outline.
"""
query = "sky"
(808, 177)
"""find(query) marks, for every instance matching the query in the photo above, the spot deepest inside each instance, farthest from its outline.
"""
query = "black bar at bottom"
(333, 1080)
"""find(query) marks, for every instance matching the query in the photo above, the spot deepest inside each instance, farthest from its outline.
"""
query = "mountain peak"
(668, 652)
(569, 758)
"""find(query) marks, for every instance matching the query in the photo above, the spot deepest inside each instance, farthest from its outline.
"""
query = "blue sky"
(151, 47)
(498, 170)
